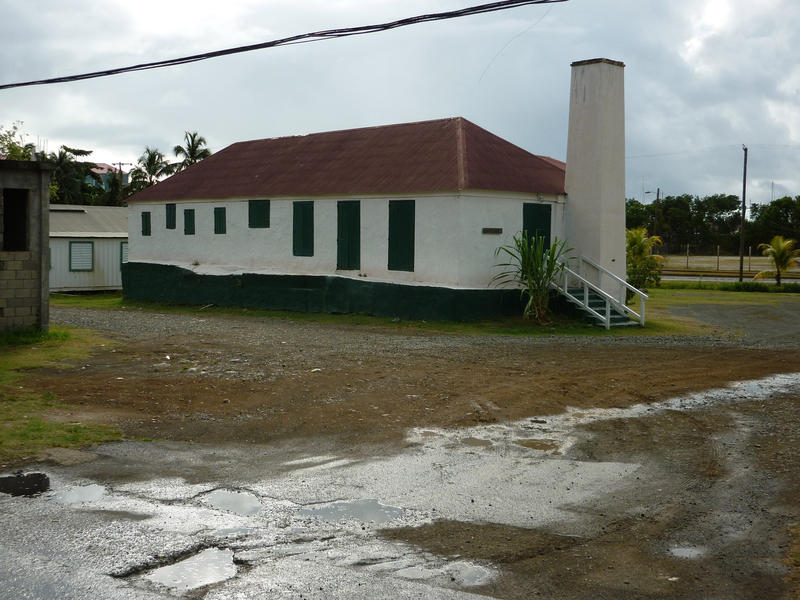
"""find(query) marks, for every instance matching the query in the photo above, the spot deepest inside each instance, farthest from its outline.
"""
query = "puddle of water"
(80, 494)
(461, 574)
(476, 442)
(367, 510)
(416, 573)
(469, 575)
(310, 459)
(28, 484)
(239, 503)
(687, 551)
(209, 566)
(232, 532)
(560, 428)
(121, 515)
(538, 444)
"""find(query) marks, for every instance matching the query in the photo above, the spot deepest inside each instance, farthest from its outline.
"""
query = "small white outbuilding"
(88, 245)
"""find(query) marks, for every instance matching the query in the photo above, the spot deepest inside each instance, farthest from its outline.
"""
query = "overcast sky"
(702, 78)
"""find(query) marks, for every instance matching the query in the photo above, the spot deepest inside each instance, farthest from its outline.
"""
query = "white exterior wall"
(106, 274)
(450, 248)
(595, 176)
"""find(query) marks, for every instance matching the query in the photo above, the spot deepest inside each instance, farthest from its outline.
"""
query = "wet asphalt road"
(164, 520)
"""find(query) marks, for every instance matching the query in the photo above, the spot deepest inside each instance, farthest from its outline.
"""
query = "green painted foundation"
(314, 293)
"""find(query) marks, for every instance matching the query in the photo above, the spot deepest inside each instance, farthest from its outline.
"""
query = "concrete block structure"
(24, 233)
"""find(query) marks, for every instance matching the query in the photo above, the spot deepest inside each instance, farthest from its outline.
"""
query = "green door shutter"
(303, 228)
(536, 220)
(171, 216)
(146, 229)
(401, 235)
(258, 214)
(220, 226)
(348, 239)
(188, 221)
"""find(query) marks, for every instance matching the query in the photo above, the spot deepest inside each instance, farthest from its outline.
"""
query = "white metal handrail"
(608, 299)
(586, 285)
(623, 285)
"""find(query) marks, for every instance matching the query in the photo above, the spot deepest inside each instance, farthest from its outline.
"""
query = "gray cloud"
(703, 77)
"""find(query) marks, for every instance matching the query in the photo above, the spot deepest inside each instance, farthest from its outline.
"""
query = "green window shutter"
(188, 221)
(145, 223)
(258, 214)
(81, 256)
(348, 235)
(401, 235)
(303, 228)
(536, 220)
(219, 219)
(171, 216)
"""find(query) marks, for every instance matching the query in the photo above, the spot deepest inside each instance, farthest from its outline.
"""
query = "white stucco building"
(399, 220)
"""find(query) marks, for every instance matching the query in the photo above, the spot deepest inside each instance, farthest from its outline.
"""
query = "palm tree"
(642, 265)
(782, 253)
(151, 167)
(74, 181)
(193, 152)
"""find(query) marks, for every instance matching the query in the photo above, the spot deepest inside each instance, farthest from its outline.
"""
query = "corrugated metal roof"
(70, 220)
(430, 156)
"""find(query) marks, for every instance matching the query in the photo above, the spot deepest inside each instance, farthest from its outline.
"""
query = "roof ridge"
(461, 154)
(349, 129)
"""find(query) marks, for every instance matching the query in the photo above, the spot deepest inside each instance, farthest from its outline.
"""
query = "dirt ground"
(226, 379)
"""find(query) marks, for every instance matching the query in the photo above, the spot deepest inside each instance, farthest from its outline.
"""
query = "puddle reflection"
(367, 510)
(239, 503)
(209, 566)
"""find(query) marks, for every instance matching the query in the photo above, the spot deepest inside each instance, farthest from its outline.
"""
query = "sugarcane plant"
(532, 266)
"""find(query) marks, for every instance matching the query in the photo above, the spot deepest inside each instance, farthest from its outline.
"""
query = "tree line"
(75, 181)
(713, 221)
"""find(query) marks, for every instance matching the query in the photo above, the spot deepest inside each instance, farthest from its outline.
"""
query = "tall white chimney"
(595, 176)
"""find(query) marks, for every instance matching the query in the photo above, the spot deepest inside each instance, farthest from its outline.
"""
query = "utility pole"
(655, 205)
(744, 210)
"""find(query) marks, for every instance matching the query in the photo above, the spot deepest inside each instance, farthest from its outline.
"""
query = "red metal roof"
(430, 156)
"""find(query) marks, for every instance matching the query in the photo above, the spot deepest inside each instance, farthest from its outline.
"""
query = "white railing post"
(641, 314)
(608, 314)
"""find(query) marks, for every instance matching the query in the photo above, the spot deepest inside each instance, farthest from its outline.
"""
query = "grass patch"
(25, 428)
(732, 286)
(107, 300)
(58, 347)
(675, 296)
(30, 336)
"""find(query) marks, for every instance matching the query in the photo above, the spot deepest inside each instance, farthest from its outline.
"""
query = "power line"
(707, 149)
(316, 36)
